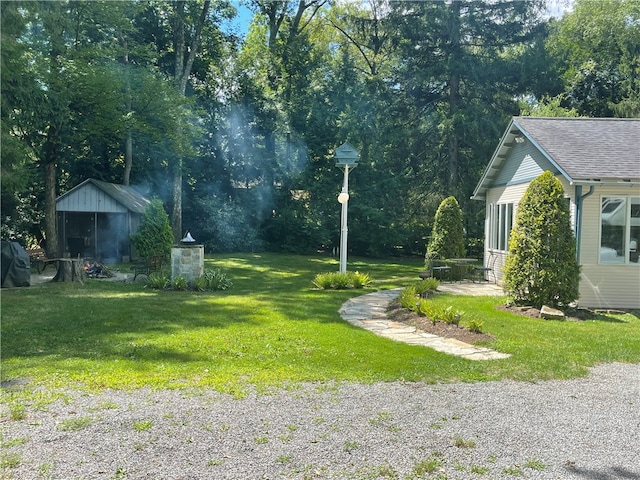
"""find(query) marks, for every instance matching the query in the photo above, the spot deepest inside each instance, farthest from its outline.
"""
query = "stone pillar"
(187, 261)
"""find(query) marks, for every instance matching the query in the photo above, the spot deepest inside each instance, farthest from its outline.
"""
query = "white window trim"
(627, 232)
(500, 225)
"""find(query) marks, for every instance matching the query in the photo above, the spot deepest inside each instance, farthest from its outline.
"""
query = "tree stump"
(69, 270)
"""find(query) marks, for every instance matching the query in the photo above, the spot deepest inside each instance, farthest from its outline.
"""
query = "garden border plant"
(341, 281)
(210, 280)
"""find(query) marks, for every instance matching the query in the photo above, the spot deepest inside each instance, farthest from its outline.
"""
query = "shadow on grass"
(115, 320)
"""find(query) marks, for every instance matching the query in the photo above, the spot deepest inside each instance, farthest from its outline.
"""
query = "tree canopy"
(236, 135)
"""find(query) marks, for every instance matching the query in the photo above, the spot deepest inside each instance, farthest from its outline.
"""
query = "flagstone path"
(370, 312)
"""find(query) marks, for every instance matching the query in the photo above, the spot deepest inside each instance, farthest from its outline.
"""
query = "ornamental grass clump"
(427, 286)
(217, 280)
(158, 281)
(341, 281)
(209, 281)
(408, 298)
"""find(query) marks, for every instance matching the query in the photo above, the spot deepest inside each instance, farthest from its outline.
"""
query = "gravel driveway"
(587, 428)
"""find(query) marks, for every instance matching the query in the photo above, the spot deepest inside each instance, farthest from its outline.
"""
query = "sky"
(240, 24)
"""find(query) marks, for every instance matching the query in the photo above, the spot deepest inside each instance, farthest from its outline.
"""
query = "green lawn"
(271, 329)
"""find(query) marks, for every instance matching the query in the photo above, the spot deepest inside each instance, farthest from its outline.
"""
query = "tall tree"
(185, 55)
(597, 48)
(461, 70)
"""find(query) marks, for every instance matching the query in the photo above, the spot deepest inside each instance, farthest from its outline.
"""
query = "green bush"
(201, 284)
(450, 316)
(154, 236)
(341, 281)
(541, 268)
(424, 308)
(360, 280)
(180, 283)
(426, 286)
(408, 298)
(217, 280)
(475, 325)
(158, 281)
(447, 237)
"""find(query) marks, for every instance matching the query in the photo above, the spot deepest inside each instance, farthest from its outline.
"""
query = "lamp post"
(346, 156)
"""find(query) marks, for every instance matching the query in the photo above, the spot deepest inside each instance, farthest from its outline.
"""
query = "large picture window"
(619, 230)
(500, 223)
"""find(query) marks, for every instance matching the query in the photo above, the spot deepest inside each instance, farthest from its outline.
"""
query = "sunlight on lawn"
(271, 329)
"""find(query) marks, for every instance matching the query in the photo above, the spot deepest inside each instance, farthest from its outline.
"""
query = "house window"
(500, 224)
(619, 230)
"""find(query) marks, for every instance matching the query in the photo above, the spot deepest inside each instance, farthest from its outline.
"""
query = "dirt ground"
(399, 314)
(459, 332)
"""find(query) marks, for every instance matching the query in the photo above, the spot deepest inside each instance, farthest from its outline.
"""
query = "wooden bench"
(150, 265)
(38, 258)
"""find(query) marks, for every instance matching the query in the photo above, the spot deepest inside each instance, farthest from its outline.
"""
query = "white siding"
(510, 194)
(525, 163)
(513, 194)
(89, 199)
(604, 286)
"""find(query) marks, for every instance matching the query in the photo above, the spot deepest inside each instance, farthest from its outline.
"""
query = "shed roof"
(582, 149)
(126, 195)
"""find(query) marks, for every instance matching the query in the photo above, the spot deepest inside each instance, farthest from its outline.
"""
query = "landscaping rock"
(549, 313)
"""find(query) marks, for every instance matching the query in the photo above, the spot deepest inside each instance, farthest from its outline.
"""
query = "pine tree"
(154, 237)
(541, 267)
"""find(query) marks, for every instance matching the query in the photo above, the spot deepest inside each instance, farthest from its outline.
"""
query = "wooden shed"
(96, 220)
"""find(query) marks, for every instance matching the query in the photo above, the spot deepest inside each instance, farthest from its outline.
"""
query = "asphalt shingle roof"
(588, 148)
(126, 195)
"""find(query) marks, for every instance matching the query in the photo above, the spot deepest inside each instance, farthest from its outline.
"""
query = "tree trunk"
(69, 270)
(176, 190)
(454, 99)
(128, 158)
(128, 141)
(181, 73)
(50, 217)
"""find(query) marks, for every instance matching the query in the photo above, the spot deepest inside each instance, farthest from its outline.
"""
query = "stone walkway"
(369, 312)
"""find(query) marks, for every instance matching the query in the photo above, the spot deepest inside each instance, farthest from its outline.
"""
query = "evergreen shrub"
(154, 236)
(541, 267)
(447, 237)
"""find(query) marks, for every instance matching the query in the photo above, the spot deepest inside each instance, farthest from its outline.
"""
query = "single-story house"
(96, 220)
(598, 162)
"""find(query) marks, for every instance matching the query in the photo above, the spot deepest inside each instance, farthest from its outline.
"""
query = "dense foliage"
(541, 268)
(154, 236)
(236, 133)
(447, 238)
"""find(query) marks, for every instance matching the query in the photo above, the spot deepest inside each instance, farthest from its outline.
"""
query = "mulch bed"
(575, 315)
(459, 332)
(442, 329)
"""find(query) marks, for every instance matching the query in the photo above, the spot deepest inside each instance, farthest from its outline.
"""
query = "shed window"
(619, 230)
